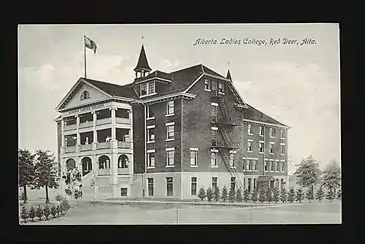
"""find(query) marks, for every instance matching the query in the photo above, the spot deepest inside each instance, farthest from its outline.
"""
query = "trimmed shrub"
(269, 195)
(246, 195)
(216, 193)
(39, 212)
(299, 196)
(291, 195)
(276, 195)
(232, 195)
(239, 195)
(65, 205)
(53, 211)
(58, 209)
(262, 196)
(46, 211)
(210, 194)
(202, 194)
(320, 194)
(24, 214)
(224, 194)
(32, 213)
(283, 195)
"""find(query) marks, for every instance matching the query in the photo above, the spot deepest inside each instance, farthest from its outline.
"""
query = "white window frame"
(170, 125)
(262, 129)
(278, 166)
(231, 160)
(249, 141)
(266, 165)
(168, 106)
(282, 146)
(220, 83)
(149, 166)
(254, 165)
(148, 133)
(248, 164)
(153, 186)
(282, 133)
(207, 81)
(148, 113)
(271, 131)
(263, 143)
(282, 165)
(147, 84)
(249, 129)
(195, 150)
(271, 143)
(244, 168)
(168, 150)
(191, 185)
(215, 165)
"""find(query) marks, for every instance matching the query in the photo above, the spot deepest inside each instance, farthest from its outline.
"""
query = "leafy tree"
(276, 195)
(216, 193)
(45, 171)
(39, 212)
(262, 195)
(32, 213)
(339, 194)
(224, 194)
(246, 195)
(26, 170)
(254, 195)
(331, 178)
(239, 195)
(202, 194)
(330, 194)
(269, 195)
(283, 195)
(308, 173)
(291, 195)
(53, 211)
(209, 194)
(299, 196)
(320, 194)
(310, 195)
(46, 211)
(24, 214)
(232, 194)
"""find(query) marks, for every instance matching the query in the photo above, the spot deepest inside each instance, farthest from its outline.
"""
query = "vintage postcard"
(170, 124)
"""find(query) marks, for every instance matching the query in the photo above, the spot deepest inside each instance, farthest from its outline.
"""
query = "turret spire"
(229, 76)
(142, 64)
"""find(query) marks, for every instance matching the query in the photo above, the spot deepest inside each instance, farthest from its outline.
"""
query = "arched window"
(70, 164)
(85, 95)
(104, 162)
(86, 165)
(123, 161)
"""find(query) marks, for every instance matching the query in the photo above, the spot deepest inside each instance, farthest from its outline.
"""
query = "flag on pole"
(90, 44)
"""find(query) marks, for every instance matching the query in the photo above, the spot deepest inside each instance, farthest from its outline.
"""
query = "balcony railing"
(70, 127)
(123, 171)
(103, 121)
(87, 147)
(123, 121)
(123, 144)
(104, 171)
(103, 145)
(70, 149)
(86, 124)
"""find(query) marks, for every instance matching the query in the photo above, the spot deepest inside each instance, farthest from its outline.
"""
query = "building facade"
(165, 135)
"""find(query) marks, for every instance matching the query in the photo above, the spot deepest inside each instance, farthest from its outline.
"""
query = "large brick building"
(168, 134)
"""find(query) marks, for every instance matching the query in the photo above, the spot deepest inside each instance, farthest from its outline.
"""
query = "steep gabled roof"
(114, 89)
(142, 63)
(252, 113)
(155, 74)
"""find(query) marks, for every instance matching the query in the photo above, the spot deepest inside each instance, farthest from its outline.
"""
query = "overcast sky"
(296, 84)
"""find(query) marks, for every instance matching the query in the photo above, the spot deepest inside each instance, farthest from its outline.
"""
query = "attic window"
(85, 95)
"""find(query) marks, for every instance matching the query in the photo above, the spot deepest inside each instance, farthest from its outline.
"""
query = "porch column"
(113, 123)
(62, 133)
(131, 128)
(114, 173)
(77, 133)
(95, 135)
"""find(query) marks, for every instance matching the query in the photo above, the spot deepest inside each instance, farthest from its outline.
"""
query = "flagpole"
(84, 58)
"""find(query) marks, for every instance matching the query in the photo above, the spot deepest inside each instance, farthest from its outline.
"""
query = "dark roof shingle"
(114, 89)
(254, 114)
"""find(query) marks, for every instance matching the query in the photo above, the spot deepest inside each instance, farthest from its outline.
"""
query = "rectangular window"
(206, 85)
(214, 113)
(170, 157)
(254, 164)
(277, 166)
(193, 186)
(170, 131)
(282, 134)
(261, 147)
(214, 159)
(143, 89)
(243, 164)
(249, 165)
(151, 134)
(151, 159)
(231, 160)
(214, 182)
(249, 129)
(233, 183)
(193, 157)
(151, 87)
(249, 184)
(214, 85)
(272, 132)
(254, 183)
(214, 137)
(169, 186)
(265, 166)
(170, 107)
(272, 166)
(261, 131)
(220, 87)
(282, 149)
(271, 148)
(123, 192)
(150, 186)
(150, 113)
(249, 146)
(283, 166)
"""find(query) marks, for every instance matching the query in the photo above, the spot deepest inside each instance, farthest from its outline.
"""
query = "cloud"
(169, 66)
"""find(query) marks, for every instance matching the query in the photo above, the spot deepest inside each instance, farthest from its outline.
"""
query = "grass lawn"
(86, 213)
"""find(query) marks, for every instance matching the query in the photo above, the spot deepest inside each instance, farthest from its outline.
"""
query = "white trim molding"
(170, 149)
(213, 150)
(151, 126)
(265, 123)
(151, 151)
(194, 149)
(214, 128)
(214, 104)
(170, 123)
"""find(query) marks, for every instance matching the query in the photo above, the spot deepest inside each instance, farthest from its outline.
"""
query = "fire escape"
(225, 126)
